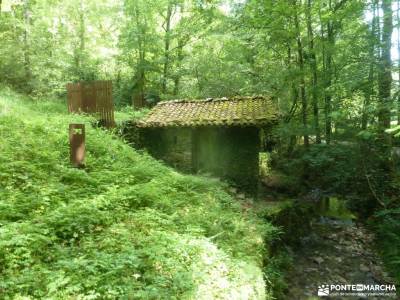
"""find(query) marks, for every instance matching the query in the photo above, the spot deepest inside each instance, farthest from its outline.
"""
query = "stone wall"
(228, 152)
(179, 148)
(231, 153)
(173, 145)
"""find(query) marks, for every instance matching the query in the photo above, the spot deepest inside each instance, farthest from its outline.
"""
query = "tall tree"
(80, 48)
(26, 44)
(385, 64)
(167, 42)
(369, 85)
(329, 48)
(138, 36)
(300, 53)
(179, 58)
(314, 70)
(398, 61)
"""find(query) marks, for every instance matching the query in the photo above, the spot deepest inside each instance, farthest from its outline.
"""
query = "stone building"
(216, 136)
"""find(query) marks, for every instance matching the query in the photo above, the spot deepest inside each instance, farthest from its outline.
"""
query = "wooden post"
(77, 144)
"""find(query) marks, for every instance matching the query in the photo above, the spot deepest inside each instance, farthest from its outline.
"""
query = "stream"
(337, 250)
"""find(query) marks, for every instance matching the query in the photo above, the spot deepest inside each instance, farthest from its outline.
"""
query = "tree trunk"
(302, 81)
(293, 137)
(140, 80)
(385, 166)
(328, 77)
(199, 81)
(369, 89)
(368, 94)
(167, 41)
(385, 73)
(80, 48)
(313, 63)
(295, 96)
(138, 97)
(26, 44)
(177, 77)
(82, 32)
(398, 62)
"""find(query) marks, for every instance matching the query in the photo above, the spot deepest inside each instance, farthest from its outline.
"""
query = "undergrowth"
(126, 226)
(387, 227)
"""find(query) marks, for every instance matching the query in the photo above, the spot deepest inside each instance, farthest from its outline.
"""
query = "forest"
(132, 226)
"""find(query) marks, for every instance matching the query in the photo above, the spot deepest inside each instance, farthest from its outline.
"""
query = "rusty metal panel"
(74, 95)
(101, 102)
(77, 144)
(89, 98)
(93, 98)
(107, 108)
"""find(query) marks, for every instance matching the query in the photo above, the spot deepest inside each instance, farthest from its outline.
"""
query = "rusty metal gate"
(94, 98)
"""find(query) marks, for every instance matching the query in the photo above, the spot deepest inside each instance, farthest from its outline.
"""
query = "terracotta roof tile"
(252, 111)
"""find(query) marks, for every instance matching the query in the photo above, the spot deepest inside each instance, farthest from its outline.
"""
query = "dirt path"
(335, 252)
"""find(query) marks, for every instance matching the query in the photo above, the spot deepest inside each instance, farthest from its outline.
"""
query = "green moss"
(335, 208)
(239, 111)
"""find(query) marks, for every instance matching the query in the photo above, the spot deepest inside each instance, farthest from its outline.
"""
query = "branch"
(291, 113)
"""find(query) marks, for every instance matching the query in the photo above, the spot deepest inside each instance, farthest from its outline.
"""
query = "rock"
(233, 190)
(318, 260)
(241, 196)
(364, 268)
(333, 236)
(310, 270)
(332, 256)
(385, 274)
(337, 247)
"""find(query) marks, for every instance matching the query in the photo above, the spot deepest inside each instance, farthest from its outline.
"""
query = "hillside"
(127, 225)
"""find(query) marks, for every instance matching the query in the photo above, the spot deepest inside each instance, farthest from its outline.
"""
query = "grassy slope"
(127, 225)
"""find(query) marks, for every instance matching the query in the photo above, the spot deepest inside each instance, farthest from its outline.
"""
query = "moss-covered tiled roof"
(243, 111)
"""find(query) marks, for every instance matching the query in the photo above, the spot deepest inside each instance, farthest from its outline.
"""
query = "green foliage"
(128, 113)
(326, 167)
(386, 222)
(126, 226)
(395, 131)
(327, 65)
(275, 271)
(329, 166)
(387, 226)
(46, 44)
